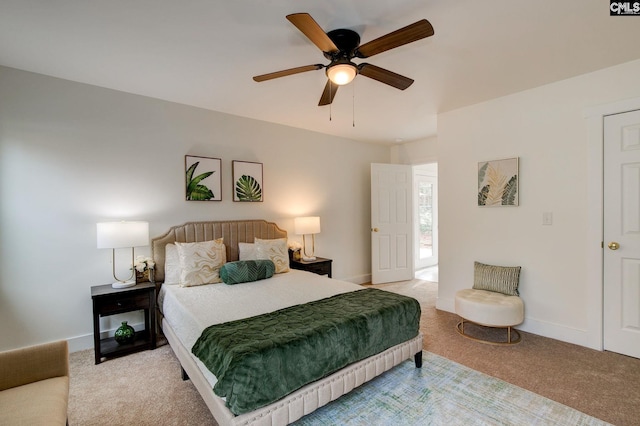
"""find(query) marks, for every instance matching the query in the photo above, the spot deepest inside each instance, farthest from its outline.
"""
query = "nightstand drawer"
(318, 268)
(320, 265)
(112, 305)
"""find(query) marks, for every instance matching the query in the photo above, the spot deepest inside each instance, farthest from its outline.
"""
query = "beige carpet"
(140, 389)
(146, 388)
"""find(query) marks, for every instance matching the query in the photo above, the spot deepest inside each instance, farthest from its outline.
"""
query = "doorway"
(425, 182)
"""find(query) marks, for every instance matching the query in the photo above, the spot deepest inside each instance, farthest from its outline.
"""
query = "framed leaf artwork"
(498, 183)
(203, 178)
(247, 181)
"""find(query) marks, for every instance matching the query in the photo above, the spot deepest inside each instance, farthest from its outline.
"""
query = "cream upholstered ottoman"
(492, 302)
(489, 309)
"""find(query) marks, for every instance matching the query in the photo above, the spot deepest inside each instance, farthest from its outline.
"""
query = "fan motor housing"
(345, 40)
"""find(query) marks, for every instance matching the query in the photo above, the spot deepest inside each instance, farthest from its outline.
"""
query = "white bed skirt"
(303, 401)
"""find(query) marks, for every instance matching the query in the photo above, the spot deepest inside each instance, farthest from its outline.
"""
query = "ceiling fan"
(342, 45)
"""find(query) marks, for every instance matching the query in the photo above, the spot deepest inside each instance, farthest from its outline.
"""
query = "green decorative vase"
(125, 334)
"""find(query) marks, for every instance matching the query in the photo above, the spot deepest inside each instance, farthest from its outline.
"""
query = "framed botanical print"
(498, 183)
(247, 181)
(203, 178)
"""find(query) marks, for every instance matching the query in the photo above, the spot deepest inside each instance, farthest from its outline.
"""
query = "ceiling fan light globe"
(341, 74)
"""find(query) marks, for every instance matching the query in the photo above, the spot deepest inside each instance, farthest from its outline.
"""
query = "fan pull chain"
(330, 87)
(353, 102)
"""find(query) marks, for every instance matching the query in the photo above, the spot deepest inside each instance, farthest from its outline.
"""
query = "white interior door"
(622, 233)
(391, 223)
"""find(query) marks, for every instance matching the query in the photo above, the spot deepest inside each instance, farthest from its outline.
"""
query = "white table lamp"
(115, 235)
(304, 226)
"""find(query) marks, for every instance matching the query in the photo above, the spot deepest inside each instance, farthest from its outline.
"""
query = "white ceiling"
(204, 53)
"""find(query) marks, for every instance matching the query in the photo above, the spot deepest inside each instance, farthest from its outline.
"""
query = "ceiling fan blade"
(385, 76)
(309, 27)
(410, 33)
(285, 73)
(328, 94)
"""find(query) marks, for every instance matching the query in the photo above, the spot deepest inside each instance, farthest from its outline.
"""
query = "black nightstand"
(110, 301)
(320, 266)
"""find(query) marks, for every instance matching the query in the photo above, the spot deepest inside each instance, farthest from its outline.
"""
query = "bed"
(186, 311)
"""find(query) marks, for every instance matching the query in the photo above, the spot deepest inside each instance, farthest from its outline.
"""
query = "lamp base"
(123, 284)
(308, 258)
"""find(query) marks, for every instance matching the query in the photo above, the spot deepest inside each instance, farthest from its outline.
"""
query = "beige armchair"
(34, 385)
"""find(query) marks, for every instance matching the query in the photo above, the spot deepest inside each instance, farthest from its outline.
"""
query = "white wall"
(416, 152)
(544, 127)
(72, 155)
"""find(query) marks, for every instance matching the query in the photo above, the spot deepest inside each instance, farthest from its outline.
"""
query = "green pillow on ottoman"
(501, 279)
(244, 271)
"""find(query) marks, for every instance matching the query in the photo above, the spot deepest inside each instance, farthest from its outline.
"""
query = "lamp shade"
(122, 234)
(341, 74)
(307, 225)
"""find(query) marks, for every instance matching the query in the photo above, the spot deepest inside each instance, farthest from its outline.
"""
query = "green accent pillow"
(501, 279)
(244, 271)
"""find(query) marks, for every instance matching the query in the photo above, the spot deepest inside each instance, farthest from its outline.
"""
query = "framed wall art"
(247, 181)
(498, 183)
(203, 178)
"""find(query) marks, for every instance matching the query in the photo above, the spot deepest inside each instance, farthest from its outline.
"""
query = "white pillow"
(247, 251)
(172, 269)
(201, 262)
(274, 250)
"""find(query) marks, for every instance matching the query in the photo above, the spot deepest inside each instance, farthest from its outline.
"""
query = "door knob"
(374, 229)
(613, 245)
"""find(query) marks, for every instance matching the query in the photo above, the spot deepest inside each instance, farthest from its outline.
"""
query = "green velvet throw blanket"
(261, 359)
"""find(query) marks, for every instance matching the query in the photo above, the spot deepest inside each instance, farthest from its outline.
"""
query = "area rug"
(443, 392)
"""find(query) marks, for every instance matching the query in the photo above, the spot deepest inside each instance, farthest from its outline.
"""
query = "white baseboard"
(557, 331)
(81, 343)
(360, 279)
(447, 305)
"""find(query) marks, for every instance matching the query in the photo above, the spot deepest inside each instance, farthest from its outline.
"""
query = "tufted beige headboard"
(233, 232)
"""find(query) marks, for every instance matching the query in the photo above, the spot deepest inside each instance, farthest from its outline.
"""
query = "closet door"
(622, 233)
